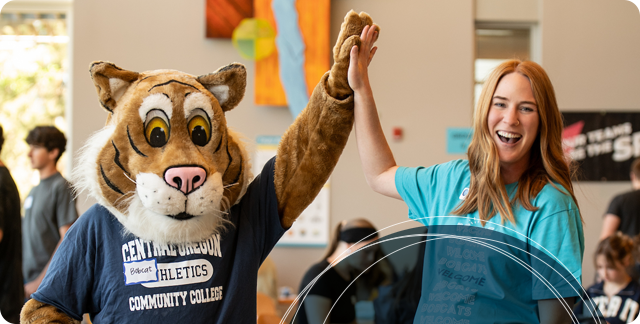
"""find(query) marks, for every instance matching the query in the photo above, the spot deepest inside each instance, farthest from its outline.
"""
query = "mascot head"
(165, 164)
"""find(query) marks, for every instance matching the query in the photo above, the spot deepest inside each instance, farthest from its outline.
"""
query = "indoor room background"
(422, 77)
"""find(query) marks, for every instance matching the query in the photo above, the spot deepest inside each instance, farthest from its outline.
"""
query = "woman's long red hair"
(547, 164)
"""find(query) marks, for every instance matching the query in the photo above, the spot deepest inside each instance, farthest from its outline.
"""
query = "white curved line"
(308, 287)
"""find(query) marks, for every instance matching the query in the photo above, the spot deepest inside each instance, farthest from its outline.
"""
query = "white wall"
(507, 10)
(591, 50)
(422, 77)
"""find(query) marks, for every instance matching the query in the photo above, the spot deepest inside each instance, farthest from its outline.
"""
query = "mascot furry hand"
(180, 229)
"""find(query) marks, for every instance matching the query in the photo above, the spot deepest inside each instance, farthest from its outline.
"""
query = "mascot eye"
(199, 127)
(156, 128)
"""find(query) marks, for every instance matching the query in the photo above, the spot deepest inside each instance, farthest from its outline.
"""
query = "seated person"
(380, 274)
(617, 296)
(397, 303)
(332, 287)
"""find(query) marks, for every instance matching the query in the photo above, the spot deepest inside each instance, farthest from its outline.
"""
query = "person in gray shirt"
(49, 209)
(11, 290)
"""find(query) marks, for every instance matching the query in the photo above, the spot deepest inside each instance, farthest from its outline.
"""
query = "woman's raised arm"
(376, 157)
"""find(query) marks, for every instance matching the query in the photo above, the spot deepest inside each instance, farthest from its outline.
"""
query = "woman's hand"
(376, 157)
(360, 58)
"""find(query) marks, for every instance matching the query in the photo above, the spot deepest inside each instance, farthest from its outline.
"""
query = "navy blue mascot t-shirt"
(119, 278)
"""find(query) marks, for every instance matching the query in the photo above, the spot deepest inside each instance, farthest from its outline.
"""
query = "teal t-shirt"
(498, 271)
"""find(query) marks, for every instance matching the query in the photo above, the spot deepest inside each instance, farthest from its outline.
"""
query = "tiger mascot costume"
(180, 229)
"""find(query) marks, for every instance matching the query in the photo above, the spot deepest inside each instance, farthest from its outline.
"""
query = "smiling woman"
(515, 182)
(517, 101)
(513, 120)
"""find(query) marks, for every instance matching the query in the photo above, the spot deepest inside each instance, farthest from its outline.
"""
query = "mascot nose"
(185, 179)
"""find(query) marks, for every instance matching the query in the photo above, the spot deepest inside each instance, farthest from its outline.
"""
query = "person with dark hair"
(11, 291)
(328, 282)
(623, 213)
(398, 303)
(617, 296)
(49, 208)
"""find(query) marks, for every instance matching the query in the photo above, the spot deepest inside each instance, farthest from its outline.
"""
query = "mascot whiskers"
(181, 226)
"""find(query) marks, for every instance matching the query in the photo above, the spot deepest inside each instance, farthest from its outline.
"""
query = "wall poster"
(603, 143)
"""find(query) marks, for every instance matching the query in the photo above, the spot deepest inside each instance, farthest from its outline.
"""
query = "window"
(33, 84)
(496, 44)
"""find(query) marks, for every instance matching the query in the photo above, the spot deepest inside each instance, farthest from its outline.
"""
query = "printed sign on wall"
(458, 139)
(312, 227)
(604, 144)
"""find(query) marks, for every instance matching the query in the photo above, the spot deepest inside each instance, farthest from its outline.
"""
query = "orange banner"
(313, 19)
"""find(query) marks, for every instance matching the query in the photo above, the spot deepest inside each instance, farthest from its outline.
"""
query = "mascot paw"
(337, 83)
(35, 312)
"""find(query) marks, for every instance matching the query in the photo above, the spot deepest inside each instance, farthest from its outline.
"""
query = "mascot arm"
(310, 148)
(35, 312)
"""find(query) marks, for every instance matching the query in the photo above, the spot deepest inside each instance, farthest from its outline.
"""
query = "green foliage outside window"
(33, 74)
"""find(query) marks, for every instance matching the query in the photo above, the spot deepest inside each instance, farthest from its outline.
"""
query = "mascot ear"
(227, 84)
(111, 82)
